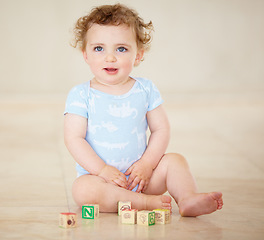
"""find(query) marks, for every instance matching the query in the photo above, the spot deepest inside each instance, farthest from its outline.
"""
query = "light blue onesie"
(117, 125)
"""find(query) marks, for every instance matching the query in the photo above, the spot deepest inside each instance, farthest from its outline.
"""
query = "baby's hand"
(140, 173)
(112, 175)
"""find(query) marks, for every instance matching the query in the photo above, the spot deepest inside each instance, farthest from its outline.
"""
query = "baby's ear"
(139, 57)
(85, 56)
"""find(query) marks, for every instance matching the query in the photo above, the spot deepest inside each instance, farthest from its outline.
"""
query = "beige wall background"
(199, 46)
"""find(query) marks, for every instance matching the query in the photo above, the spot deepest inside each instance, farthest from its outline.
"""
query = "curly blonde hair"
(113, 15)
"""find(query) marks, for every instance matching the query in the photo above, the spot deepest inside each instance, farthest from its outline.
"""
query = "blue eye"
(121, 49)
(98, 49)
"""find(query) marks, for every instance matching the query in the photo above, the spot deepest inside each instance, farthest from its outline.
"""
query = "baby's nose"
(110, 57)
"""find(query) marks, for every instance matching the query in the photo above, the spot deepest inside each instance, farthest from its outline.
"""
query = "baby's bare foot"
(200, 203)
(158, 202)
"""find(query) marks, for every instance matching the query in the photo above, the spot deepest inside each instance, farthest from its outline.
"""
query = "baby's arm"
(75, 128)
(141, 171)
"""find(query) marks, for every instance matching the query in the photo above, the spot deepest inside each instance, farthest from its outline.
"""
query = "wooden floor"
(222, 138)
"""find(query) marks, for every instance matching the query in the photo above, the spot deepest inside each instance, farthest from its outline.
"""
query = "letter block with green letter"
(90, 211)
(146, 218)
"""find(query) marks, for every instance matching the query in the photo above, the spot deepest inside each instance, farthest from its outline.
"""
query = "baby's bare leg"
(93, 189)
(173, 174)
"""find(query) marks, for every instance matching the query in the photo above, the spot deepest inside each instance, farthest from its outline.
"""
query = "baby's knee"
(83, 191)
(173, 158)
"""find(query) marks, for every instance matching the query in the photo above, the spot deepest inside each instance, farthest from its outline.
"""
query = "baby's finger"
(123, 177)
(130, 179)
(128, 171)
(141, 186)
(114, 183)
(145, 186)
(120, 183)
(134, 183)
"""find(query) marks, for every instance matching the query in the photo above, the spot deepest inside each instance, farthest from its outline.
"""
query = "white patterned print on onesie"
(117, 125)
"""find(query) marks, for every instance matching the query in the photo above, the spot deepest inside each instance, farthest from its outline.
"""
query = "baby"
(106, 119)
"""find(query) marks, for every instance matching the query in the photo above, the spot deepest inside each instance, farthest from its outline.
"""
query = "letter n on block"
(90, 211)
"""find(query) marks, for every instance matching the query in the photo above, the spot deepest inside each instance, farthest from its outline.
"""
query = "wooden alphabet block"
(122, 206)
(146, 218)
(90, 211)
(162, 216)
(67, 220)
(129, 216)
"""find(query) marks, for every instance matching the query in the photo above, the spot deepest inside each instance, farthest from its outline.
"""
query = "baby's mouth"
(111, 70)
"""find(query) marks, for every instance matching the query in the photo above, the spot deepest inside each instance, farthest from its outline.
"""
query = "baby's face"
(111, 52)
